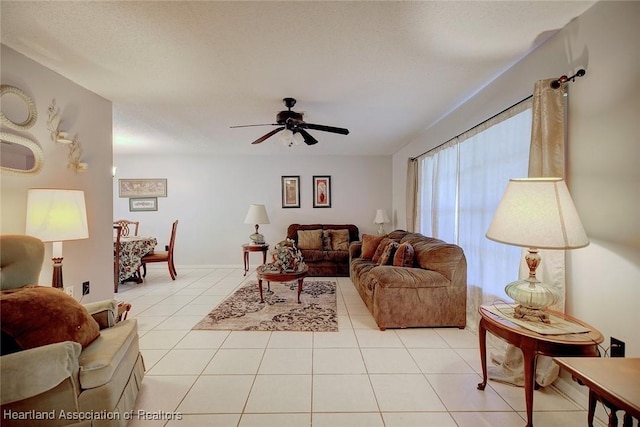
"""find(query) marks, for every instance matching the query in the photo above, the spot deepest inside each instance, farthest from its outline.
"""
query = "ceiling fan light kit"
(294, 127)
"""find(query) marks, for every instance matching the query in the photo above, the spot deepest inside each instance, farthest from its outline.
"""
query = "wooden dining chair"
(128, 226)
(116, 256)
(163, 256)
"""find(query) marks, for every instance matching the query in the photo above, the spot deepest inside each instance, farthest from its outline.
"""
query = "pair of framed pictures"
(321, 191)
(143, 193)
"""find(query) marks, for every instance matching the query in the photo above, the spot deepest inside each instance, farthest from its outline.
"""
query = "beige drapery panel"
(547, 159)
(412, 195)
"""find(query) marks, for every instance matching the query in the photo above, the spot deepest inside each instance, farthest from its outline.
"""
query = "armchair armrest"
(31, 372)
(104, 312)
(355, 249)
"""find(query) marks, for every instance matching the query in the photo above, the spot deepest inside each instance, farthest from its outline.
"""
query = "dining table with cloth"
(132, 249)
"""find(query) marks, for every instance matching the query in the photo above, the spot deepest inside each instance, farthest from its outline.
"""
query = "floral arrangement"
(286, 258)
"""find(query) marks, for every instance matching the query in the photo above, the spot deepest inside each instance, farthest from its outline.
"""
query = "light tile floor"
(359, 376)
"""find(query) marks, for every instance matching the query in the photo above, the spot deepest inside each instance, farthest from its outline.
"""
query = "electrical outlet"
(69, 290)
(617, 348)
(86, 288)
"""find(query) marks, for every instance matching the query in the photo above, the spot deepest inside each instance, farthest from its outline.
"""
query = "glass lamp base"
(533, 297)
(257, 239)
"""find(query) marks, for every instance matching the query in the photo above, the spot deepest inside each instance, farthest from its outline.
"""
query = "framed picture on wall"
(321, 191)
(142, 204)
(143, 187)
(291, 191)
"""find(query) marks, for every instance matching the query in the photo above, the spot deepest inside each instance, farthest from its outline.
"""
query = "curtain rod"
(564, 79)
(472, 127)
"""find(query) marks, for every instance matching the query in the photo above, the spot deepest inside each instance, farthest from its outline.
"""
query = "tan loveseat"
(61, 383)
(328, 257)
(432, 292)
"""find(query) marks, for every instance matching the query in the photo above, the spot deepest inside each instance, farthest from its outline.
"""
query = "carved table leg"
(300, 288)
(482, 337)
(260, 287)
(592, 408)
(529, 357)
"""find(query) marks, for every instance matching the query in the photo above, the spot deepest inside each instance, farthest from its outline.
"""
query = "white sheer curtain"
(461, 184)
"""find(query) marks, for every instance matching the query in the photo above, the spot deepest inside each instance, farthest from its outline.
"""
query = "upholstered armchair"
(67, 363)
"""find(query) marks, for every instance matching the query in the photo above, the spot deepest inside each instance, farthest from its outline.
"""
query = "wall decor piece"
(291, 191)
(142, 204)
(9, 95)
(156, 187)
(321, 191)
(59, 136)
(20, 155)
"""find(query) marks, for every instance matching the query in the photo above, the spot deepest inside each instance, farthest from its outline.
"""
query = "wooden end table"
(248, 247)
(613, 381)
(532, 344)
(271, 276)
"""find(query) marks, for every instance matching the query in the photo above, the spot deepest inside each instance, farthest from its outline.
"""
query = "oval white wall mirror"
(18, 110)
(20, 155)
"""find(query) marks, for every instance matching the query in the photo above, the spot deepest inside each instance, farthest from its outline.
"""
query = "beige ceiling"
(180, 73)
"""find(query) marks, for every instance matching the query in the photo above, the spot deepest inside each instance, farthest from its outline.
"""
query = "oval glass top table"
(280, 276)
(553, 343)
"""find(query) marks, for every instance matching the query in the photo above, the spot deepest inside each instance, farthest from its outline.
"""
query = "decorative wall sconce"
(61, 137)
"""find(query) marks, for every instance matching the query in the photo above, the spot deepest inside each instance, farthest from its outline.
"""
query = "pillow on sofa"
(388, 252)
(404, 255)
(326, 240)
(378, 253)
(340, 240)
(370, 244)
(310, 239)
(38, 315)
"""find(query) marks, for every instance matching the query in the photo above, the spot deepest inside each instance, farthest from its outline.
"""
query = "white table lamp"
(381, 219)
(257, 215)
(55, 215)
(536, 213)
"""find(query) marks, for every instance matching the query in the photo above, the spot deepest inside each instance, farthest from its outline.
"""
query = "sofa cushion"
(404, 255)
(340, 240)
(326, 240)
(381, 245)
(310, 239)
(388, 253)
(370, 243)
(34, 316)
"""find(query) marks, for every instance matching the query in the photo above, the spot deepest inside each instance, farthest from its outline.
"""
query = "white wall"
(88, 115)
(603, 283)
(210, 196)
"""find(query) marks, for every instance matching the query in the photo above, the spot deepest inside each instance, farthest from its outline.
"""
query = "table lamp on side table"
(55, 215)
(536, 213)
(257, 215)
(381, 219)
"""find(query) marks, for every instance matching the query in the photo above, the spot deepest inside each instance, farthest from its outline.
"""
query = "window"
(461, 184)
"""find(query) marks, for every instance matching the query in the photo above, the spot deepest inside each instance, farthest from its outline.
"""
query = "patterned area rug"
(280, 311)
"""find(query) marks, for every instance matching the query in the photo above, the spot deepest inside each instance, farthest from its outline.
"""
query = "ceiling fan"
(289, 120)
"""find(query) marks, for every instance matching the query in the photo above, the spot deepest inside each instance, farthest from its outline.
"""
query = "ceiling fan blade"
(308, 139)
(249, 126)
(324, 128)
(268, 135)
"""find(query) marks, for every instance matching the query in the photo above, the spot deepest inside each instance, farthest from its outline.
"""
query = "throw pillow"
(378, 253)
(340, 240)
(370, 244)
(388, 253)
(326, 240)
(34, 316)
(310, 239)
(404, 255)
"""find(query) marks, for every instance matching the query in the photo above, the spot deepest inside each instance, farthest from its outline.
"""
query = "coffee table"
(276, 276)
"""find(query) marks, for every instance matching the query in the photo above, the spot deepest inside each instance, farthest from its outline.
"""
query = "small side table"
(613, 381)
(532, 344)
(248, 247)
(123, 310)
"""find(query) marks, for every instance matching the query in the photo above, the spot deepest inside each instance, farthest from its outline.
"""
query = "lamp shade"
(56, 215)
(381, 217)
(257, 214)
(537, 213)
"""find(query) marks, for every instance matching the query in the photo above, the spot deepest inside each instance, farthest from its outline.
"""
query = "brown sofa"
(431, 293)
(320, 260)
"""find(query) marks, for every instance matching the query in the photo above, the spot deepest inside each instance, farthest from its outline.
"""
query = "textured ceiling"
(180, 73)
